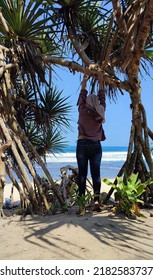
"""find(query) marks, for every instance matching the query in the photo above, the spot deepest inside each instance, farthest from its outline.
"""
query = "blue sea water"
(112, 160)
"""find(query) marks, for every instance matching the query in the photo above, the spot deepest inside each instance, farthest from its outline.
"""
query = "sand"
(95, 236)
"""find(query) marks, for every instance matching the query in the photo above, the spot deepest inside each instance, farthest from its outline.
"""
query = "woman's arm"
(83, 93)
(101, 92)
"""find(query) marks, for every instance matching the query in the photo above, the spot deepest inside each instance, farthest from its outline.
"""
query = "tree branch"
(89, 72)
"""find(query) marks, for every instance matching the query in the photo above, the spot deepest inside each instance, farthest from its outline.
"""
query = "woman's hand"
(100, 79)
(84, 81)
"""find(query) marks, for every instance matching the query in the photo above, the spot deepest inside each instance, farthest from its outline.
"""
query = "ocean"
(112, 160)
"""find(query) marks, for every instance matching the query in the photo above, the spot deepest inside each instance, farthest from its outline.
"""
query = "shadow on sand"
(93, 236)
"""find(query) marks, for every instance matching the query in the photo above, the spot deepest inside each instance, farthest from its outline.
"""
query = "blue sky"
(118, 115)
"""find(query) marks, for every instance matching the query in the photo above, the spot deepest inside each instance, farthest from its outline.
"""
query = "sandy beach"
(95, 236)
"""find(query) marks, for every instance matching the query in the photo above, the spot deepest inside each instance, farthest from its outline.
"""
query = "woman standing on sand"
(90, 133)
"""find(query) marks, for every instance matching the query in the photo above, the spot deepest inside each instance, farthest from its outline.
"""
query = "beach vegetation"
(84, 200)
(54, 208)
(128, 193)
(37, 37)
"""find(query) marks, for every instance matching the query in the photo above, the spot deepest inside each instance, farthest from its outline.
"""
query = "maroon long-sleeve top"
(88, 126)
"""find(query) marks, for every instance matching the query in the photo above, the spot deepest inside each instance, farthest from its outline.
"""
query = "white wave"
(71, 157)
(114, 156)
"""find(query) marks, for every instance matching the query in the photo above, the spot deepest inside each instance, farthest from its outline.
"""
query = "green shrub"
(127, 194)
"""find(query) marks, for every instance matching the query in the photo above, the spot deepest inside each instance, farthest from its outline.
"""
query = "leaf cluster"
(41, 110)
(128, 193)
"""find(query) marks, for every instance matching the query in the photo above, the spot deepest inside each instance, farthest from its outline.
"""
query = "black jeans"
(89, 150)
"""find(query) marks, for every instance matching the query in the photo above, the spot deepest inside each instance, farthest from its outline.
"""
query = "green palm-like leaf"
(48, 141)
(43, 118)
(29, 34)
(57, 108)
(52, 141)
(82, 16)
(24, 21)
(33, 134)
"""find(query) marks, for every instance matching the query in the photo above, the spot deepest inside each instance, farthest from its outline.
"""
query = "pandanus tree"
(33, 112)
(83, 36)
